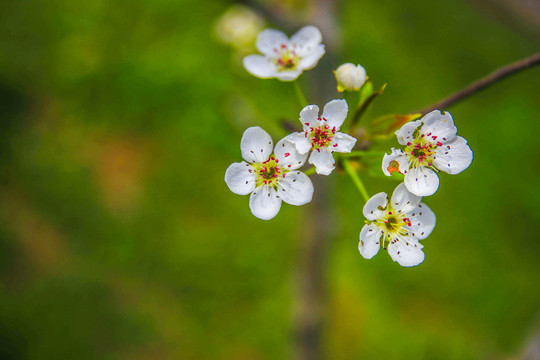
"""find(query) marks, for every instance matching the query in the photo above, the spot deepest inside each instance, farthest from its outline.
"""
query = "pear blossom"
(431, 146)
(350, 77)
(285, 58)
(397, 225)
(269, 177)
(321, 135)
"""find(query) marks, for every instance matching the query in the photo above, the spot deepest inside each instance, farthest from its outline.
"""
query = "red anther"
(326, 127)
(275, 175)
(386, 221)
(439, 143)
(429, 134)
(249, 170)
(434, 137)
(389, 213)
(319, 118)
(409, 144)
(287, 154)
(422, 135)
(277, 161)
(318, 150)
(283, 46)
(305, 135)
(335, 145)
(412, 152)
(428, 164)
(324, 119)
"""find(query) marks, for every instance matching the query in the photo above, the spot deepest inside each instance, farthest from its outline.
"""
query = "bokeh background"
(120, 240)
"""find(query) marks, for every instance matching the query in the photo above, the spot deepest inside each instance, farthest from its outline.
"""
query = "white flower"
(283, 58)
(270, 178)
(431, 146)
(321, 135)
(350, 77)
(397, 225)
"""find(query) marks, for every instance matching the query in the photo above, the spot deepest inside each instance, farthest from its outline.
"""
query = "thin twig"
(483, 83)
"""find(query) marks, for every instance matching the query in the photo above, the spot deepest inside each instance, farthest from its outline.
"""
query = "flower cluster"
(272, 175)
(431, 145)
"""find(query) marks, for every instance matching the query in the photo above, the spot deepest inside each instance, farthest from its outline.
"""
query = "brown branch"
(483, 83)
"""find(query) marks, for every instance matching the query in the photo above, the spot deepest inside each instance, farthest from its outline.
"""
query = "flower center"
(268, 172)
(320, 136)
(392, 224)
(286, 58)
(421, 152)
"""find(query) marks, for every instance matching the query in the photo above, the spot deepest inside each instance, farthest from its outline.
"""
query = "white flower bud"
(350, 77)
(239, 27)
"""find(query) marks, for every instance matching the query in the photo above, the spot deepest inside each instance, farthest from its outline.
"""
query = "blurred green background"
(120, 240)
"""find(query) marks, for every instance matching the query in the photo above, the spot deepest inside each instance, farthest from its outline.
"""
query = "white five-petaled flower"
(431, 146)
(397, 225)
(321, 135)
(269, 177)
(283, 58)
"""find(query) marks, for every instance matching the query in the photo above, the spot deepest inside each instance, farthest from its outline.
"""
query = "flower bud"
(350, 77)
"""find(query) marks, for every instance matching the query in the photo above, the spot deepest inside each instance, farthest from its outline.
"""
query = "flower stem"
(299, 94)
(362, 153)
(356, 179)
(310, 171)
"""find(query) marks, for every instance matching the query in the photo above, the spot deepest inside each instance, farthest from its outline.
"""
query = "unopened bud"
(350, 77)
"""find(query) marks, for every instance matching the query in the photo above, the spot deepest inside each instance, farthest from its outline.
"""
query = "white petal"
(342, 143)
(407, 251)
(260, 66)
(422, 221)
(374, 208)
(369, 244)
(288, 75)
(288, 156)
(311, 58)
(302, 143)
(295, 188)
(454, 156)
(264, 202)
(335, 113)
(400, 165)
(240, 178)
(403, 200)
(256, 145)
(405, 133)
(308, 116)
(306, 39)
(440, 125)
(323, 161)
(422, 181)
(270, 40)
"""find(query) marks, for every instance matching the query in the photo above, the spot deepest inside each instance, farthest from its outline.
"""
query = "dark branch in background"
(272, 14)
(483, 83)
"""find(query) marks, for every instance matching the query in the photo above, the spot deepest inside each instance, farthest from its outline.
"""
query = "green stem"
(356, 179)
(362, 153)
(310, 171)
(299, 94)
